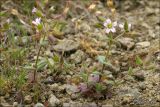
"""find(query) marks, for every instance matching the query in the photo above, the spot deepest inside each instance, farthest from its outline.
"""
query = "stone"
(54, 87)
(15, 104)
(107, 105)
(75, 104)
(49, 80)
(126, 43)
(66, 104)
(84, 27)
(39, 105)
(112, 68)
(53, 101)
(127, 94)
(5, 105)
(28, 99)
(142, 86)
(74, 96)
(127, 98)
(108, 74)
(144, 44)
(66, 46)
(139, 75)
(93, 104)
(77, 57)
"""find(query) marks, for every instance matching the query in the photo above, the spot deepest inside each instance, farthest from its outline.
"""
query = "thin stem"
(110, 43)
(36, 68)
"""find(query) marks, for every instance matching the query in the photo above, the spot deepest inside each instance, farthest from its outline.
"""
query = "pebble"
(5, 105)
(107, 105)
(112, 68)
(142, 86)
(139, 75)
(39, 105)
(144, 44)
(54, 87)
(128, 94)
(48, 80)
(53, 101)
(66, 104)
(77, 57)
(128, 98)
(74, 96)
(126, 43)
(15, 104)
(28, 99)
(66, 46)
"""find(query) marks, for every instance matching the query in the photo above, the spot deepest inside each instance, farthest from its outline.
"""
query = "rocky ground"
(82, 43)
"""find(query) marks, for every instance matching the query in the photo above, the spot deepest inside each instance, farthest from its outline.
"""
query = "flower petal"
(129, 26)
(35, 23)
(113, 30)
(105, 24)
(115, 23)
(121, 26)
(34, 10)
(108, 21)
(108, 30)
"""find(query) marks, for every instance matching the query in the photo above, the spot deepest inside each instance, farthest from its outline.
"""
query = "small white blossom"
(110, 27)
(37, 21)
(34, 10)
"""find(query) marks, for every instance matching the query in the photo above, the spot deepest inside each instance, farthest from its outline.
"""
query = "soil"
(79, 46)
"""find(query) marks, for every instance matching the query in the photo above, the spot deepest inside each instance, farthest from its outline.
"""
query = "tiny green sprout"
(38, 13)
(99, 87)
(138, 60)
(130, 71)
(84, 77)
(125, 26)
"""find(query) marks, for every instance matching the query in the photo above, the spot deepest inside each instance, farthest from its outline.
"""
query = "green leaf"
(42, 64)
(56, 58)
(21, 79)
(39, 14)
(96, 72)
(130, 71)
(43, 42)
(84, 77)
(2, 13)
(102, 19)
(51, 62)
(40, 27)
(138, 60)
(98, 25)
(101, 59)
(99, 87)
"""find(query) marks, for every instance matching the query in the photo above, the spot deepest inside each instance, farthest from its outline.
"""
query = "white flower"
(122, 26)
(34, 10)
(110, 27)
(37, 21)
